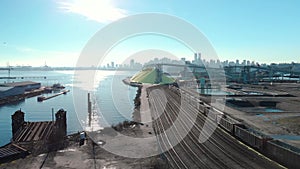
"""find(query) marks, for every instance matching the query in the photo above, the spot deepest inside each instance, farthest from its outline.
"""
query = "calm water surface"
(114, 99)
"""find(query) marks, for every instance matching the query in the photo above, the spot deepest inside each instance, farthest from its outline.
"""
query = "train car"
(189, 98)
(193, 102)
(175, 89)
(206, 109)
(201, 107)
(228, 126)
(219, 115)
(251, 138)
(214, 114)
(184, 96)
(283, 153)
(197, 106)
(227, 123)
(192, 99)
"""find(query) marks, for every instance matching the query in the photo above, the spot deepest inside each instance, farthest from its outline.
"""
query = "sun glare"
(102, 11)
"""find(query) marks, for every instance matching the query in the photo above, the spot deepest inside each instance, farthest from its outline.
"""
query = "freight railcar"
(254, 139)
(227, 125)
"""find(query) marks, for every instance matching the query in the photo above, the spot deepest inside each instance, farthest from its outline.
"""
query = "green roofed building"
(152, 76)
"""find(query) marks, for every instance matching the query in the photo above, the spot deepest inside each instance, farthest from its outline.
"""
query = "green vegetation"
(150, 75)
(166, 79)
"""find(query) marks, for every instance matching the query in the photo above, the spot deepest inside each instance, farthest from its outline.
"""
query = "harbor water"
(108, 84)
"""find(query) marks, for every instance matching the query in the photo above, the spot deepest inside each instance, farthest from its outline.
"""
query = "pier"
(12, 152)
(34, 137)
(42, 98)
(24, 77)
(93, 119)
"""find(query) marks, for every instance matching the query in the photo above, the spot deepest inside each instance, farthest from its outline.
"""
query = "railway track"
(220, 150)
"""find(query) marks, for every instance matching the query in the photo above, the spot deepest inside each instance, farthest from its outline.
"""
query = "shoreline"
(93, 152)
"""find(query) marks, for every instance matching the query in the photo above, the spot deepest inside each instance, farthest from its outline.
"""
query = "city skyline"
(56, 31)
(135, 65)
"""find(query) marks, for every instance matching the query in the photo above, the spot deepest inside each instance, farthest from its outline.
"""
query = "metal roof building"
(28, 85)
(10, 91)
(17, 88)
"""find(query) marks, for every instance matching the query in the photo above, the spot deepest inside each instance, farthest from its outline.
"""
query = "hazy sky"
(37, 31)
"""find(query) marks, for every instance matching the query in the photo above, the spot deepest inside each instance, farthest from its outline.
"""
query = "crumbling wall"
(17, 122)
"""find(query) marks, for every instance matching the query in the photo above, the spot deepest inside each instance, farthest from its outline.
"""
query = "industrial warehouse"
(18, 91)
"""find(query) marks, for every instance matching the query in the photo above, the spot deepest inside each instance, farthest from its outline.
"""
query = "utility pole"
(52, 114)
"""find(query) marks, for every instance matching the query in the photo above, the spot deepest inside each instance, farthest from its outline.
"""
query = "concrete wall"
(60, 125)
(17, 122)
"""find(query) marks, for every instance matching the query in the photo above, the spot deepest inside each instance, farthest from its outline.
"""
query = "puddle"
(264, 110)
(263, 116)
(286, 137)
(67, 150)
(252, 93)
(214, 92)
(272, 110)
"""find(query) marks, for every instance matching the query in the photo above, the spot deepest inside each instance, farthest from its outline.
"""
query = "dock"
(34, 137)
(42, 98)
(12, 152)
(34, 131)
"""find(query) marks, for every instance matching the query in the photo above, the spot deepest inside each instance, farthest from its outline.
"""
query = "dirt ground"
(89, 155)
(283, 123)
